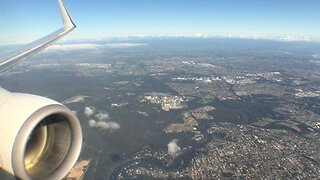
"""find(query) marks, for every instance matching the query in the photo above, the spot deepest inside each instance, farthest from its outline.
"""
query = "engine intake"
(41, 140)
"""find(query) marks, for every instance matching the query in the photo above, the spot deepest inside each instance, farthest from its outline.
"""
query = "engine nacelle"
(39, 138)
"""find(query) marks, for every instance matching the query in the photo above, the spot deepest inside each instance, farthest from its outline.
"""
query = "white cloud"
(104, 125)
(90, 46)
(92, 123)
(98, 119)
(315, 38)
(124, 45)
(102, 116)
(89, 111)
(173, 148)
(70, 47)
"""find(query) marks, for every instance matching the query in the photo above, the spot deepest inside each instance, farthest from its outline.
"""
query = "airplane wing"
(39, 138)
(30, 49)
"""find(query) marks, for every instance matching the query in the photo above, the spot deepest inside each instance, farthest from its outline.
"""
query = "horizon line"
(284, 38)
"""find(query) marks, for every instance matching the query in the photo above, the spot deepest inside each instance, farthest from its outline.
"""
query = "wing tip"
(68, 23)
(36, 46)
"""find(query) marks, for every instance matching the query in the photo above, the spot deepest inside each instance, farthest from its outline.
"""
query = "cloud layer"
(124, 45)
(74, 47)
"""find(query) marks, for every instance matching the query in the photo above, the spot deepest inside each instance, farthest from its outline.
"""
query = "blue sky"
(27, 20)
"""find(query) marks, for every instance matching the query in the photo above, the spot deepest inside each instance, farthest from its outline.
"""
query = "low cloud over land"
(173, 148)
(89, 111)
(100, 119)
(102, 116)
(110, 125)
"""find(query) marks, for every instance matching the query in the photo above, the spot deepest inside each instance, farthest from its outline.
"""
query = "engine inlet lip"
(20, 143)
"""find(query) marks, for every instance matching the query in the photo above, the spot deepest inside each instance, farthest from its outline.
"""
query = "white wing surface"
(39, 138)
(30, 49)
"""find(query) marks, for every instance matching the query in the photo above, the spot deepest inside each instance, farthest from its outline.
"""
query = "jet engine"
(39, 138)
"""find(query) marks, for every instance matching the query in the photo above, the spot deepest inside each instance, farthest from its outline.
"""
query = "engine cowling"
(39, 138)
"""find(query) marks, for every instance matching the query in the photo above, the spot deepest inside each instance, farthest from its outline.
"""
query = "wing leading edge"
(39, 44)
